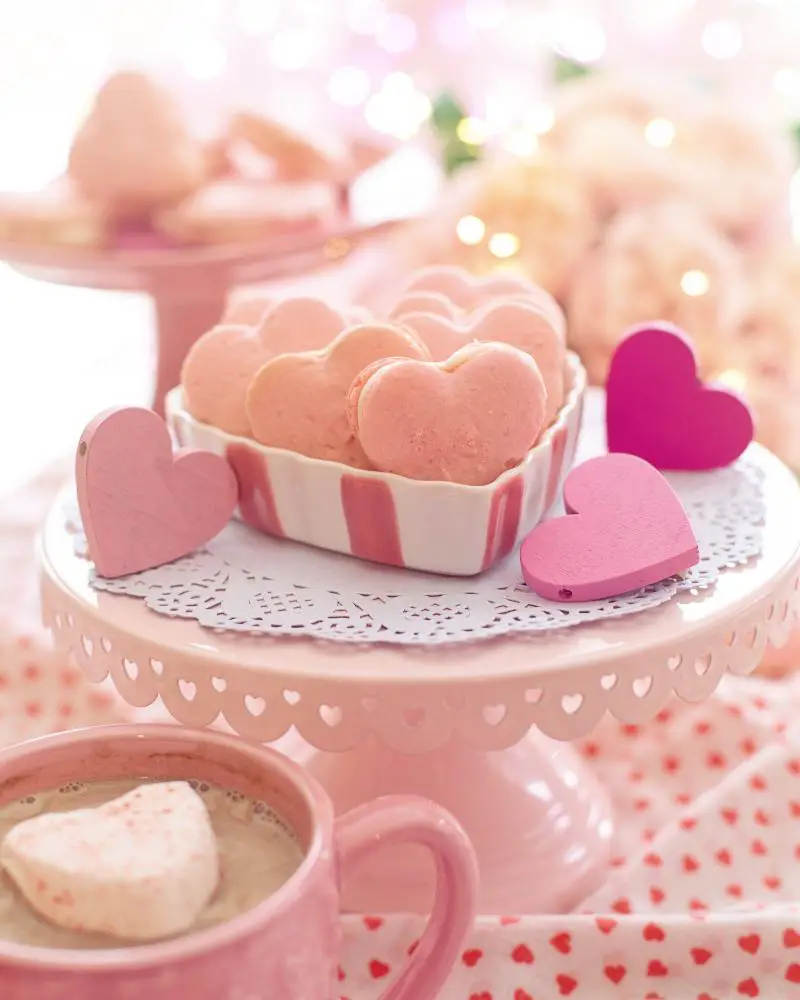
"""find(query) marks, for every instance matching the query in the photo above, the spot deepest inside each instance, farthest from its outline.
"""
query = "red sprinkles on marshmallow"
(139, 868)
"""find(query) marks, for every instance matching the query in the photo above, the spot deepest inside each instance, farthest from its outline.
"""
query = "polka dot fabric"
(702, 901)
(40, 692)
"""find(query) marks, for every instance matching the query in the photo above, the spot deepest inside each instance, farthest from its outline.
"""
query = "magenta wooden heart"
(141, 505)
(625, 528)
(657, 407)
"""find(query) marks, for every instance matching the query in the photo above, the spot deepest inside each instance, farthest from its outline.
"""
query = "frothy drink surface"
(258, 854)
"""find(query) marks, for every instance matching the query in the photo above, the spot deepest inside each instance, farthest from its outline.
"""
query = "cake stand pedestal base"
(540, 823)
(182, 315)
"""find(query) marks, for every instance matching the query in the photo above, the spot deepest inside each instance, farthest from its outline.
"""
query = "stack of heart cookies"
(431, 437)
(136, 168)
(456, 385)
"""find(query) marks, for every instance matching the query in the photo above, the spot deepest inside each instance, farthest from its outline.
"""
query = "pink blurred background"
(368, 66)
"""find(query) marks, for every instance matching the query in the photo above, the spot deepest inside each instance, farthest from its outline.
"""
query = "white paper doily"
(247, 582)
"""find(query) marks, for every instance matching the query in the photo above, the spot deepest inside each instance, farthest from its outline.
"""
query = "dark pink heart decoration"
(141, 505)
(625, 528)
(658, 408)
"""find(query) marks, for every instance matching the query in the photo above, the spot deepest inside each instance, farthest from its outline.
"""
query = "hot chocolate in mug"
(284, 946)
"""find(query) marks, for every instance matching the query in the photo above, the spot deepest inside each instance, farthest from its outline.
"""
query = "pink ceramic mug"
(286, 948)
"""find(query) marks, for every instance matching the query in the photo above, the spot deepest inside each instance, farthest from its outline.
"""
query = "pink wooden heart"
(657, 407)
(625, 529)
(141, 506)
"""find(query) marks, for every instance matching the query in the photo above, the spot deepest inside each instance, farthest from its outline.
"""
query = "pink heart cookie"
(298, 401)
(296, 156)
(141, 867)
(430, 303)
(658, 408)
(465, 420)
(250, 310)
(237, 210)
(141, 506)
(246, 310)
(55, 215)
(517, 323)
(625, 528)
(466, 293)
(220, 366)
(134, 152)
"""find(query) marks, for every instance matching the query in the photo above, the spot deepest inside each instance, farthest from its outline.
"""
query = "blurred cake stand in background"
(189, 285)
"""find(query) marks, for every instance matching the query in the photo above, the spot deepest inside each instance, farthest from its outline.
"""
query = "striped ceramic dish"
(437, 527)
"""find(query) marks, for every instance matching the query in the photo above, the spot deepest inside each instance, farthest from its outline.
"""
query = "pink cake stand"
(188, 286)
(481, 728)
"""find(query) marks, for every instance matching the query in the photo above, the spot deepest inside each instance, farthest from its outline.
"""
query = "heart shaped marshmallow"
(140, 868)
(220, 366)
(299, 401)
(464, 420)
(658, 408)
(625, 528)
(141, 506)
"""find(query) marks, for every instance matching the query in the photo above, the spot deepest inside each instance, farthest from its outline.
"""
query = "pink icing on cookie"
(220, 366)
(518, 323)
(298, 401)
(134, 152)
(465, 420)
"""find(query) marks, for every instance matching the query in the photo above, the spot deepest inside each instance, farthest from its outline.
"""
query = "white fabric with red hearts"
(703, 901)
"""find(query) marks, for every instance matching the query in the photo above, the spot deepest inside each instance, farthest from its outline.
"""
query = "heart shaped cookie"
(464, 420)
(236, 210)
(296, 157)
(140, 868)
(516, 322)
(448, 290)
(56, 215)
(625, 528)
(299, 401)
(134, 152)
(429, 303)
(141, 506)
(246, 310)
(221, 364)
(658, 408)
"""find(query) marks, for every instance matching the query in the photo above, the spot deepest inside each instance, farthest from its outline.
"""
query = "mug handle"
(403, 819)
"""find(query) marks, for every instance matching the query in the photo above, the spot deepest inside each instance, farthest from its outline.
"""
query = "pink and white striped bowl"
(436, 527)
